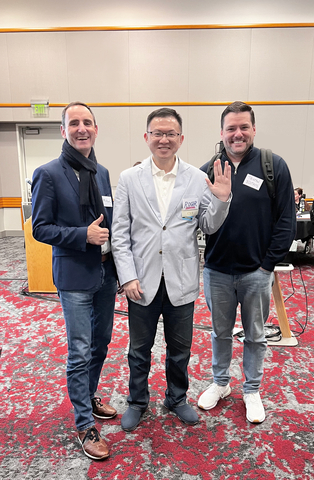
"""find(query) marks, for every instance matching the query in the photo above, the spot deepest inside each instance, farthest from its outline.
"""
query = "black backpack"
(312, 213)
(267, 167)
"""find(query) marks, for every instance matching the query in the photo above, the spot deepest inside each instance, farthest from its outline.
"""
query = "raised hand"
(221, 187)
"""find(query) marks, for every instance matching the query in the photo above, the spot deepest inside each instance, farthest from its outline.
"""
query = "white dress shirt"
(164, 183)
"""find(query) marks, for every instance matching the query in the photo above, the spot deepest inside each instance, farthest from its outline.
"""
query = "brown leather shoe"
(93, 445)
(102, 410)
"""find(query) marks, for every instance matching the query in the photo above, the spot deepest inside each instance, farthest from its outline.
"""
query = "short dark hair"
(72, 104)
(163, 113)
(237, 107)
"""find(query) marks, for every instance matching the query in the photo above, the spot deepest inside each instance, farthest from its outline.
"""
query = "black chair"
(310, 232)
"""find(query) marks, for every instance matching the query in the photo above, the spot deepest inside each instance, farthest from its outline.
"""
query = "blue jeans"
(89, 320)
(223, 293)
(178, 329)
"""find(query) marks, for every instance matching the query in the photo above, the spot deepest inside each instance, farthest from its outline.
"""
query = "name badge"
(107, 201)
(253, 182)
(189, 208)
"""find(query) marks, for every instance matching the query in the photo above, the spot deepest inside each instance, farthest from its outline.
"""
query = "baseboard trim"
(12, 233)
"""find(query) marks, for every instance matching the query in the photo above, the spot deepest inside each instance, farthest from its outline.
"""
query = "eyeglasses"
(169, 135)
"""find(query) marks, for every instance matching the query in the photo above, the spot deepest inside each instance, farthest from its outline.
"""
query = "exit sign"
(40, 108)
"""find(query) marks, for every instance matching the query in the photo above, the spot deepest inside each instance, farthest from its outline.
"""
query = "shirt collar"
(156, 170)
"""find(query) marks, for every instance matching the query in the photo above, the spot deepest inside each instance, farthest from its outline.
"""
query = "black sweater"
(255, 233)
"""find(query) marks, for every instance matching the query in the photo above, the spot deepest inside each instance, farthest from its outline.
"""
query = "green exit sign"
(40, 109)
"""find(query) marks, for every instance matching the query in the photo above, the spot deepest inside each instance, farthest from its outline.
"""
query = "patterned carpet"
(38, 440)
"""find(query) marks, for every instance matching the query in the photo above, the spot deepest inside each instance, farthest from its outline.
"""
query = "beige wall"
(10, 218)
(274, 64)
(168, 66)
(60, 13)
(164, 66)
(9, 167)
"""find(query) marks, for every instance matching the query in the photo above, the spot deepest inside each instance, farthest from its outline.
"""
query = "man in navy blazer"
(159, 206)
(72, 211)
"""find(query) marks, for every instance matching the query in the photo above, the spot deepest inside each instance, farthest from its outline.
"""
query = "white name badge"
(107, 201)
(253, 182)
(189, 208)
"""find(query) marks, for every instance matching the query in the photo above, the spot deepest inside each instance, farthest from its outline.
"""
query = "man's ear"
(63, 132)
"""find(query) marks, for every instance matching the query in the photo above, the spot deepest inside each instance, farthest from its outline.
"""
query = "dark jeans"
(89, 320)
(178, 329)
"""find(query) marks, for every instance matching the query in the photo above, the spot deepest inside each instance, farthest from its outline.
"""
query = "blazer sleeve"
(53, 214)
(121, 234)
(212, 211)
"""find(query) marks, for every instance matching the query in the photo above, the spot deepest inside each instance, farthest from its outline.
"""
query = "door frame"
(20, 128)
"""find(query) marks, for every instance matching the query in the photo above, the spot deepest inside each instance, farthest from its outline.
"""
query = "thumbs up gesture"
(95, 234)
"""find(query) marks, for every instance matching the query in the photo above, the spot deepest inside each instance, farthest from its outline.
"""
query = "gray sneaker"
(131, 418)
(212, 395)
(185, 412)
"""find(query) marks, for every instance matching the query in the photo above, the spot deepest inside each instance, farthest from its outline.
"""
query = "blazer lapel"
(147, 182)
(71, 177)
(181, 183)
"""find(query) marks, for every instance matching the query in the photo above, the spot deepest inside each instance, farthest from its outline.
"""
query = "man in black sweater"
(241, 256)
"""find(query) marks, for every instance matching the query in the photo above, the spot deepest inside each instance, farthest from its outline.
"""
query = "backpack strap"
(268, 171)
(210, 168)
(269, 177)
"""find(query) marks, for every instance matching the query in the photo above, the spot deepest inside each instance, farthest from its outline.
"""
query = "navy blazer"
(57, 220)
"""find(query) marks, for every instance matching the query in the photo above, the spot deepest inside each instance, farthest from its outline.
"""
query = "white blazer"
(144, 246)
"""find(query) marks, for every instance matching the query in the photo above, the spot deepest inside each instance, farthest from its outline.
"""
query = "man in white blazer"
(159, 205)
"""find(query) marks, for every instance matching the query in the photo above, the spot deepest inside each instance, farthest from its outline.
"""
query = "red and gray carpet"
(37, 436)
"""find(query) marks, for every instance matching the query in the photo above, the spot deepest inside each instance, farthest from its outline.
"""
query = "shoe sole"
(256, 421)
(213, 406)
(104, 418)
(130, 429)
(185, 422)
(91, 456)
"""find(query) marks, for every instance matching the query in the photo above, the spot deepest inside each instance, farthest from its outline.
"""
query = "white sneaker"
(255, 412)
(212, 395)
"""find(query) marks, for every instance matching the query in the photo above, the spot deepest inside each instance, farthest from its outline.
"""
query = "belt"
(105, 257)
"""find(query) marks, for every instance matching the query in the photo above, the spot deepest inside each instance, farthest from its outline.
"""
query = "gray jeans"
(223, 293)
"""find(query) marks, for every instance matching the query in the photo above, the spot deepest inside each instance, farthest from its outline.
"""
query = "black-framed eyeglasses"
(169, 135)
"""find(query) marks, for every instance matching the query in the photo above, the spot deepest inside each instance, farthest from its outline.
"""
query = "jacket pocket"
(190, 275)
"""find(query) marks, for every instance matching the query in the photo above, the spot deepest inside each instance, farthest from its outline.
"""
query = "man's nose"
(238, 132)
(81, 127)
(164, 138)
